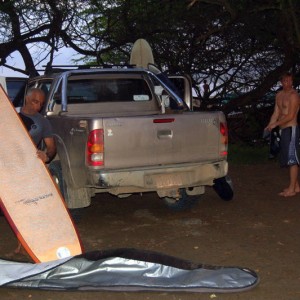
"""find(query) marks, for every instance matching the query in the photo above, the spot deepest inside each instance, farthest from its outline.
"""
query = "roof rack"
(62, 68)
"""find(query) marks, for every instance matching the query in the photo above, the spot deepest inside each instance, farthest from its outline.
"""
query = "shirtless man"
(285, 116)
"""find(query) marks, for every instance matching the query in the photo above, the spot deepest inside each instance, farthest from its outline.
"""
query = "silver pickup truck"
(130, 130)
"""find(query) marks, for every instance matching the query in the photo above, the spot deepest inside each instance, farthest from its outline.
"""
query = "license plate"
(164, 180)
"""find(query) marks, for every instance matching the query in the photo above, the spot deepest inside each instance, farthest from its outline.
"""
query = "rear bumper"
(154, 179)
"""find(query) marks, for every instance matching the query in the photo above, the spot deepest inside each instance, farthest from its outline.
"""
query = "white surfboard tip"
(141, 54)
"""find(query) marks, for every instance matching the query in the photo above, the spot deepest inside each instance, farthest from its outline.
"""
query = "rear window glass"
(108, 90)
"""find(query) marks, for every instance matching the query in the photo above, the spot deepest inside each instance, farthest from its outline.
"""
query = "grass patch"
(245, 154)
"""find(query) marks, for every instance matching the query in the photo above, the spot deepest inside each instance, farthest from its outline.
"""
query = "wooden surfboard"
(141, 54)
(29, 197)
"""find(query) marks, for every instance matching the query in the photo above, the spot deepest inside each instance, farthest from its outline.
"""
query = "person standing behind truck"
(285, 116)
(38, 127)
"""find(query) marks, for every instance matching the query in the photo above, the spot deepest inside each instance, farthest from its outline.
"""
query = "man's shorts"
(289, 146)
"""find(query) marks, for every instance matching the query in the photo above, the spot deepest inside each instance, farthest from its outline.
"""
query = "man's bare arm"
(50, 152)
(274, 117)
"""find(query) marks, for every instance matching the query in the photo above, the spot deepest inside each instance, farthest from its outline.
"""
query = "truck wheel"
(223, 187)
(185, 201)
(56, 173)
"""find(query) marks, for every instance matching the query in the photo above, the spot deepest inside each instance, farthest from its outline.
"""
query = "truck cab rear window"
(107, 90)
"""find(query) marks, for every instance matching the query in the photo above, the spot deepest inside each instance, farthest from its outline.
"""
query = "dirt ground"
(257, 229)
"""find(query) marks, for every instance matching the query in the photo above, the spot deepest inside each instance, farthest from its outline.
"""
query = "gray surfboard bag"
(126, 270)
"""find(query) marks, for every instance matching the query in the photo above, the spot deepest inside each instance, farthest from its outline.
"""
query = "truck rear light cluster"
(95, 148)
(224, 139)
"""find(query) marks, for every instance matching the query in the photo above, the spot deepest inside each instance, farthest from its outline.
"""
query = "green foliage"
(239, 46)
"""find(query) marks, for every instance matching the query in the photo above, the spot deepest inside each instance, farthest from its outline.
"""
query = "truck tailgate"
(145, 141)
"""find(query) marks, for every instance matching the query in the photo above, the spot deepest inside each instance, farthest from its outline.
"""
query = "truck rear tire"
(223, 187)
(56, 173)
(185, 201)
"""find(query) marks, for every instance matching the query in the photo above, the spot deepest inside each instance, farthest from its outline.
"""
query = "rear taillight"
(224, 139)
(95, 148)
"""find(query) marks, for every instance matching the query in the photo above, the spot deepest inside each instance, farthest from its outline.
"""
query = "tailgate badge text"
(109, 132)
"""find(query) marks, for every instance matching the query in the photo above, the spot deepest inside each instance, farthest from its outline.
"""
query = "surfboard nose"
(141, 54)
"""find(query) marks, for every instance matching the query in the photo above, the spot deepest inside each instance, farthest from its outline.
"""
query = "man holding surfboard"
(38, 127)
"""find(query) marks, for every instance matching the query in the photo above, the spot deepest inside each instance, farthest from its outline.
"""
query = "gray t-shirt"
(37, 126)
